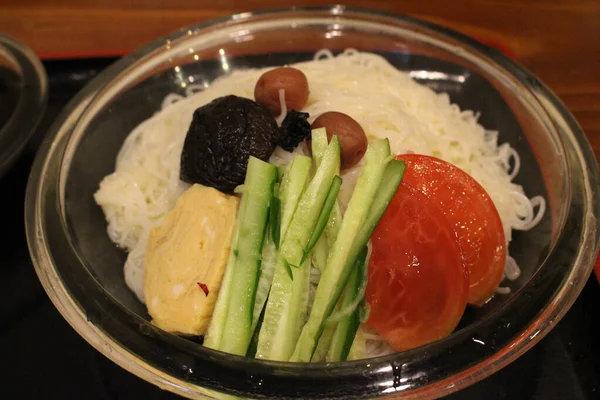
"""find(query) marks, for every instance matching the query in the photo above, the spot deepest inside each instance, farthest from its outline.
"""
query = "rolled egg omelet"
(186, 259)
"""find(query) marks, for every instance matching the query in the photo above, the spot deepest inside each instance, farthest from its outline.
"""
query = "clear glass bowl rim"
(547, 318)
(30, 106)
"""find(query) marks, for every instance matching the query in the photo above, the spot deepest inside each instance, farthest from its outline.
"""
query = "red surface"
(418, 284)
(472, 215)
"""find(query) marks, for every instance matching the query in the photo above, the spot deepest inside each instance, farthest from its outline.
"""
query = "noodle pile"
(385, 101)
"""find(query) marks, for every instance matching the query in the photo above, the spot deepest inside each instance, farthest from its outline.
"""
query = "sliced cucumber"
(392, 176)
(319, 144)
(267, 269)
(346, 327)
(268, 257)
(333, 224)
(254, 341)
(214, 334)
(258, 192)
(358, 350)
(330, 202)
(351, 239)
(324, 343)
(286, 307)
(275, 220)
(310, 206)
(319, 254)
(291, 189)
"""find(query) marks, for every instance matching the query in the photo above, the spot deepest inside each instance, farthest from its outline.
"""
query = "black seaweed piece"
(222, 136)
(293, 130)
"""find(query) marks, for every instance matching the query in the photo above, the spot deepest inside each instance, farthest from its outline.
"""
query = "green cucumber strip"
(356, 305)
(254, 341)
(392, 176)
(324, 343)
(319, 143)
(267, 269)
(287, 304)
(346, 249)
(288, 270)
(258, 191)
(214, 333)
(285, 312)
(346, 328)
(275, 220)
(319, 253)
(322, 348)
(310, 205)
(291, 189)
(333, 224)
(330, 201)
(268, 258)
(358, 350)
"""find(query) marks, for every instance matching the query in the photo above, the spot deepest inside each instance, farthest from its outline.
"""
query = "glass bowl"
(81, 269)
(23, 96)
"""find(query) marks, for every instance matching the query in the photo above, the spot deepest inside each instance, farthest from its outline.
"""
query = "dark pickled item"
(222, 136)
(353, 139)
(293, 130)
(291, 80)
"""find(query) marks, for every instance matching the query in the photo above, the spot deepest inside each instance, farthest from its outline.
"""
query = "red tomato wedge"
(417, 285)
(471, 212)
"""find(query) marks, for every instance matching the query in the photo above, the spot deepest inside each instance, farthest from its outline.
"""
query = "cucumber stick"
(267, 269)
(324, 343)
(214, 333)
(345, 340)
(287, 304)
(236, 332)
(321, 249)
(346, 248)
(318, 138)
(319, 144)
(392, 176)
(319, 254)
(310, 206)
(330, 202)
(268, 257)
(358, 350)
(338, 336)
(346, 328)
(291, 188)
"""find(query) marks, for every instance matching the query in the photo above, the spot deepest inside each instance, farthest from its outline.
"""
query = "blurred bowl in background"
(81, 269)
(23, 96)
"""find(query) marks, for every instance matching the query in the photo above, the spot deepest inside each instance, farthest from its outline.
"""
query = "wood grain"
(559, 40)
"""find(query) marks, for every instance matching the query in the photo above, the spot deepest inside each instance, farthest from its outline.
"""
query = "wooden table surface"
(558, 40)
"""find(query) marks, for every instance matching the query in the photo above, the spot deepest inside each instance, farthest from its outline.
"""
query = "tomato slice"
(417, 285)
(469, 209)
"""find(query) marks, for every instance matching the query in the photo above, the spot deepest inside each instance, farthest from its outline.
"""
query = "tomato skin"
(417, 285)
(470, 210)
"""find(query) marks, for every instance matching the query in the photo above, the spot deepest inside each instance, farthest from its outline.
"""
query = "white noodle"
(512, 271)
(171, 99)
(193, 88)
(503, 290)
(385, 101)
(283, 107)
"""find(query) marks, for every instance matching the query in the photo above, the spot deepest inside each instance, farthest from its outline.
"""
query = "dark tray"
(44, 357)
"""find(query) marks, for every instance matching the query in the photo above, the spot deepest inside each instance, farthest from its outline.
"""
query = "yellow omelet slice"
(186, 259)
